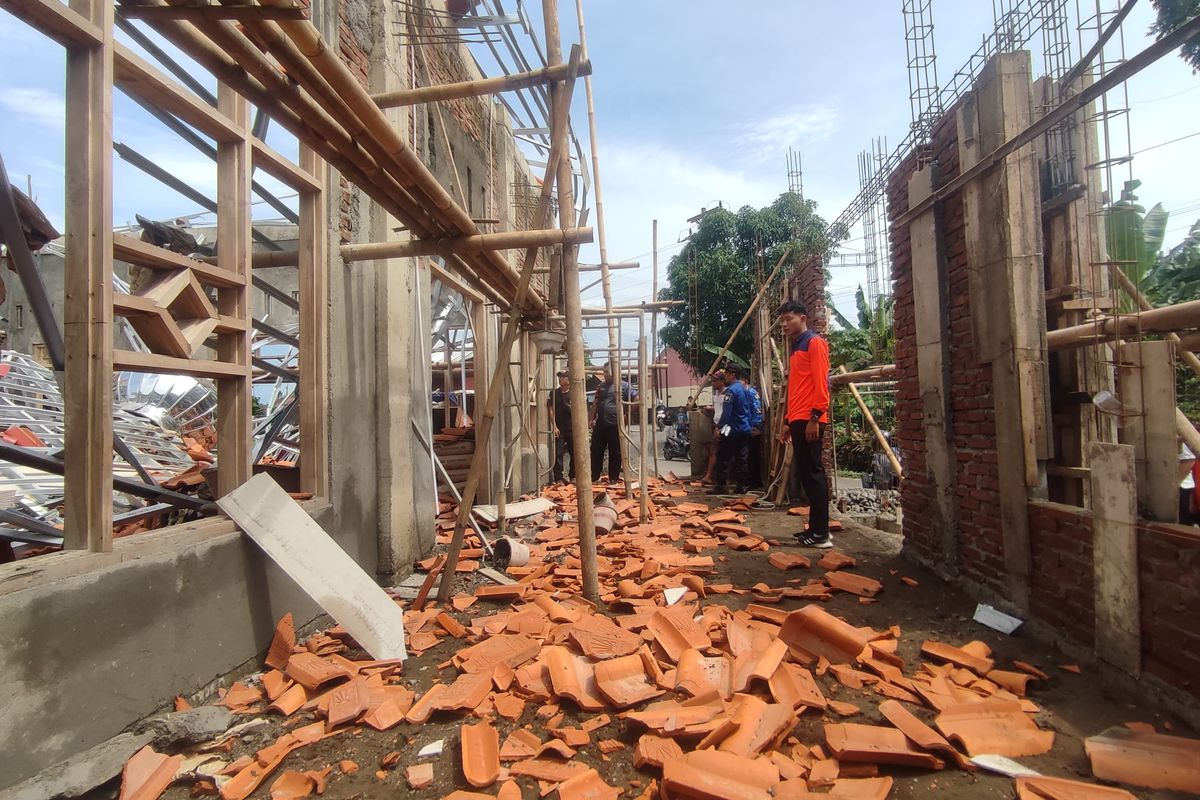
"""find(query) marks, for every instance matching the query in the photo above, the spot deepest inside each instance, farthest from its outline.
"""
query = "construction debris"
(707, 696)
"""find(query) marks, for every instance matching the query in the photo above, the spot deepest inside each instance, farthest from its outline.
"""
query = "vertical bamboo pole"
(643, 487)
(654, 337)
(614, 338)
(557, 162)
(573, 311)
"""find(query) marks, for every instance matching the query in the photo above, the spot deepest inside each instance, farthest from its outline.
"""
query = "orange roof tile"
(878, 745)
(719, 776)
(147, 774)
(599, 637)
(1043, 788)
(572, 676)
(624, 682)
(480, 754)
(994, 726)
(816, 632)
(1154, 760)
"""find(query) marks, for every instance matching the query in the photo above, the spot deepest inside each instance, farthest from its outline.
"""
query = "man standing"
(756, 432)
(807, 414)
(734, 426)
(603, 421)
(560, 402)
(714, 446)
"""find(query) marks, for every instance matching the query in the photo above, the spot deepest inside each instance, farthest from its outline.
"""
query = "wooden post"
(573, 311)
(87, 307)
(643, 406)
(1114, 555)
(758, 299)
(1147, 382)
(556, 162)
(233, 254)
(314, 331)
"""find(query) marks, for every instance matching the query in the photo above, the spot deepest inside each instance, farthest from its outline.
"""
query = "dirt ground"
(1074, 706)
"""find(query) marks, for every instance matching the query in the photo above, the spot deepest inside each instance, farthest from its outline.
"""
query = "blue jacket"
(737, 408)
(756, 411)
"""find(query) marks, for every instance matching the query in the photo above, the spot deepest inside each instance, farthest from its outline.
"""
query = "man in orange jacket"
(806, 417)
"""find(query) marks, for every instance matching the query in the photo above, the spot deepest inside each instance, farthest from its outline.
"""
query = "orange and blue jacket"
(808, 379)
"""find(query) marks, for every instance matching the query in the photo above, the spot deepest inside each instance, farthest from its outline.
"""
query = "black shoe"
(809, 539)
(717, 490)
(739, 490)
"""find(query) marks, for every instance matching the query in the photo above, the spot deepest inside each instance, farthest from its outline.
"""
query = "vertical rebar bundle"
(924, 95)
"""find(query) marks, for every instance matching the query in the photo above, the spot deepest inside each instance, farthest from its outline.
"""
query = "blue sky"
(697, 103)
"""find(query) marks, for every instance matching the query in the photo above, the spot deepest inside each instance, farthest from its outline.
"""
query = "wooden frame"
(96, 64)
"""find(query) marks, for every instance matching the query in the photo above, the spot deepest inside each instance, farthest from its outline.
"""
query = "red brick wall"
(353, 56)
(1061, 589)
(1061, 586)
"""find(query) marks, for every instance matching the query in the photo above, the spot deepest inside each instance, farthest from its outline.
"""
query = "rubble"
(704, 696)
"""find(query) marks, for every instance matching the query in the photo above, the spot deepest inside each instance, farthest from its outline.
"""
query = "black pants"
(564, 445)
(810, 472)
(733, 457)
(606, 436)
(756, 443)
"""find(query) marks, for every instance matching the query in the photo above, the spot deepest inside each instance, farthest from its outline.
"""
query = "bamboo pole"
(574, 322)
(868, 375)
(758, 299)
(557, 160)
(458, 245)
(1144, 304)
(605, 274)
(643, 482)
(1164, 319)
(654, 339)
(879, 437)
(477, 88)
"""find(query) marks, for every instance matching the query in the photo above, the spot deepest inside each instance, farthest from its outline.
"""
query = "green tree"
(718, 258)
(1171, 15)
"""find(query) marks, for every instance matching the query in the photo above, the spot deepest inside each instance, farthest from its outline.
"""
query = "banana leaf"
(729, 355)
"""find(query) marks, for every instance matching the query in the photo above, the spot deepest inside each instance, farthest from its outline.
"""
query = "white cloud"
(769, 138)
(38, 106)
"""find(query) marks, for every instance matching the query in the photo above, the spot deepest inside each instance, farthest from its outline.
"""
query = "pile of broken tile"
(706, 700)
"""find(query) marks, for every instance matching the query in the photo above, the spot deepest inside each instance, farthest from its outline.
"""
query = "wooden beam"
(314, 332)
(137, 77)
(131, 361)
(1146, 373)
(87, 273)
(62, 23)
(478, 88)
(282, 169)
(203, 12)
(459, 245)
(144, 254)
(453, 281)
(233, 350)
(1114, 554)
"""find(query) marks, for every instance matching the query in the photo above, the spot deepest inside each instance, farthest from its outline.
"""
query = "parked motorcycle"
(677, 446)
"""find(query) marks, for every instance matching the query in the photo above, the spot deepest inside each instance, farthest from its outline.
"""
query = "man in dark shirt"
(605, 433)
(559, 402)
(734, 426)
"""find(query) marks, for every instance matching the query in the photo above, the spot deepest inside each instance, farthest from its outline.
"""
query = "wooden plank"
(455, 282)
(131, 361)
(138, 77)
(296, 543)
(233, 232)
(1114, 555)
(1146, 373)
(479, 87)
(314, 333)
(62, 23)
(144, 254)
(204, 13)
(282, 168)
(87, 306)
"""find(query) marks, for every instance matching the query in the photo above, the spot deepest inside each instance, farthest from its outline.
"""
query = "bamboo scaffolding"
(643, 484)
(507, 240)
(762, 292)
(879, 437)
(574, 323)
(1164, 319)
(654, 334)
(555, 163)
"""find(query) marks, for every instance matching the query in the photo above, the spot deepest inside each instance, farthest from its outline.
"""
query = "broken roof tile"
(1140, 758)
(1044, 788)
(675, 632)
(312, 671)
(624, 681)
(697, 674)
(419, 775)
(758, 725)
(816, 632)
(853, 583)
(794, 686)
(467, 692)
(1031, 670)
(587, 785)
(714, 775)
(600, 638)
(511, 649)
(875, 744)
(994, 726)
(480, 754)
(520, 744)
(957, 655)
(652, 750)
(147, 774)
(548, 770)
(921, 734)
(572, 676)
(282, 642)
(835, 560)
(347, 702)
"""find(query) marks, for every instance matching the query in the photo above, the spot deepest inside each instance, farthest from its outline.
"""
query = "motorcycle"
(677, 447)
